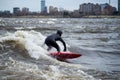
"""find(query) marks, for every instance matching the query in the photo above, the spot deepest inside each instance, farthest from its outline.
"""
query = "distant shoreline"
(90, 16)
(102, 16)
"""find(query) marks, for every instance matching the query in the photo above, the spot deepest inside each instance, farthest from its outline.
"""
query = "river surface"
(23, 55)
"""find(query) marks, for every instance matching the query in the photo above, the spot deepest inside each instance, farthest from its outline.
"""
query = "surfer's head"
(59, 32)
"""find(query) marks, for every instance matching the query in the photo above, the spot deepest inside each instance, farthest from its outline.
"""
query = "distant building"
(97, 9)
(16, 10)
(90, 9)
(75, 13)
(119, 5)
(82, 9)
(53, 10)
(25, 10)
(107, 9)
(43, 7)
(5, 13)
(103, 7)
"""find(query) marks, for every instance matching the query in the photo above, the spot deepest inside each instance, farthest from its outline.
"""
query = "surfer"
(50, 41)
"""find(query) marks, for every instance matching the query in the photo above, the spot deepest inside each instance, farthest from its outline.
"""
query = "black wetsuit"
(51, 41)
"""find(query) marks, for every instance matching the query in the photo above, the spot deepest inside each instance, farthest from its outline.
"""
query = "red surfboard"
(65, 55)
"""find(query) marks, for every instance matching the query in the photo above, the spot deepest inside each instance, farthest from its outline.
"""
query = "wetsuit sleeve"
(63, 44)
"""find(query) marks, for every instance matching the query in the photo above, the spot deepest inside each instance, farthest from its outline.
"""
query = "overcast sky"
(34, 5)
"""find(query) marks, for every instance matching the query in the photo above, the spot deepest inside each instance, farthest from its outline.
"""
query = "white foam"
(33, 43)
(41, 22)
(53, 74)
(31, 40)
(53, 19)
(50, 22)
(19, 28)
(62, 21)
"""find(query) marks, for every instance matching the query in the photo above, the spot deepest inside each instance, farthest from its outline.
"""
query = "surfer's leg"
(48, 45)
(54, 44)
(49, 48)
(51, 44)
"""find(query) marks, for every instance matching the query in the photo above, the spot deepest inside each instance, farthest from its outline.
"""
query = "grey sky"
(34, 5)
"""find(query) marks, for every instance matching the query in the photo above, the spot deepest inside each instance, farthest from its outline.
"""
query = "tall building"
(43, 7)
(119, 5)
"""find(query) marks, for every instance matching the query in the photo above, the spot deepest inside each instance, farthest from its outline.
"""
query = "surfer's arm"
(63, 44)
